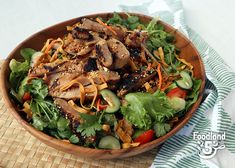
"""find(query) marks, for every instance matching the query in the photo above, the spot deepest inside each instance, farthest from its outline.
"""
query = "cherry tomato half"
(145, 137)
(177, 92)
(26, 96)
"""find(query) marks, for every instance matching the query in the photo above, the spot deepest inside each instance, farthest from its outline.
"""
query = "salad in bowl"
(114, 83)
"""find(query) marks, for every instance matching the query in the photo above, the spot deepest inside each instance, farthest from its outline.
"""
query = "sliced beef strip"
(56, 81)
(79, 33)
(93, 26)
(91, 65)
(78, 47)
(120, 53)
(67, 110)
(120, 33)
(136, 38)
(103, 53)
(71, 66)
(133, 82)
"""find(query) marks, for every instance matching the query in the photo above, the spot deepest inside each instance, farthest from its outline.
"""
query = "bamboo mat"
(19, 149)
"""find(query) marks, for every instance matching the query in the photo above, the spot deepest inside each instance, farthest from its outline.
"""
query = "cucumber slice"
(177, 103)
(35, 58)
(109, 142)
(112, 100)
(186, 81)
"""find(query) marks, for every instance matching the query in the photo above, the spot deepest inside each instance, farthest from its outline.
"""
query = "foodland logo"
(209, 143)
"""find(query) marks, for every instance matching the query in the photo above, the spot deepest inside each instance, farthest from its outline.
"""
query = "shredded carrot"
(104, 24)
(159, 76)
(132, 65)
(166, 86)
(149, 67)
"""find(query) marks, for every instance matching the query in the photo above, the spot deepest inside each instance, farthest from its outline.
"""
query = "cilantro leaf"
(37, 88)
(90, 125)
(74, 139)
(161, 129)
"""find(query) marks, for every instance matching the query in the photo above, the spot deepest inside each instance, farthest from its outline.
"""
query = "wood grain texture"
(36, 41)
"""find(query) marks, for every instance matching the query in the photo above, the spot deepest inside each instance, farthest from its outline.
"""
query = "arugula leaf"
(89, 126)
(116, 19)
(144, 108)
(37, 88)
(161, 129)
(27, 53)
(132, 22)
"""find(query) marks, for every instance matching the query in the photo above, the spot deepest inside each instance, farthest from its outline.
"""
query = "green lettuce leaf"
(144, 108)
(20, 69)
(18, 72)
(27, 53)
(161, 129)
(90, 125)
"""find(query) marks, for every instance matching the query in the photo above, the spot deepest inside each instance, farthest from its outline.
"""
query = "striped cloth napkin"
(215, 114)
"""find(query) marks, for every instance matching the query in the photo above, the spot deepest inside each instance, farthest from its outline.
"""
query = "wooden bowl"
(36, 41)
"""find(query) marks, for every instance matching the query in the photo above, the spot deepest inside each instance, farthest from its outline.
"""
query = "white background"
(214, 20)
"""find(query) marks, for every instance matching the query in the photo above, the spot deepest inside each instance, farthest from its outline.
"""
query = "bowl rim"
(56, 143)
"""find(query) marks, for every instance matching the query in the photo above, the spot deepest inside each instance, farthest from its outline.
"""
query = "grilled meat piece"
(58, 80)
(79, 33)
(136, 38)
(120, 33)
(71, 66)
(103, 53)
(67, 110)
(91, 65)
(93, 26)
(78, 47)
(120, 54)
(133, 82)
(97, 27)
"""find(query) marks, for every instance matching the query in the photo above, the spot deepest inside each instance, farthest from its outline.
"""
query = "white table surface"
(213, 20)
